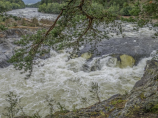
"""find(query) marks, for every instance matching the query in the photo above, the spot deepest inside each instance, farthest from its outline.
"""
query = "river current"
(65, 81)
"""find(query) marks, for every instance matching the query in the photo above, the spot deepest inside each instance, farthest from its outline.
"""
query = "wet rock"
(151, 71)
(125, 61)
(135, 47)
(86, 55)
(121, 61)
(6, 51)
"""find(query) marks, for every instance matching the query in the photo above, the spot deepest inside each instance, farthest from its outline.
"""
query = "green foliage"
(135, 9)
(25, 55)
(142, 22)
(3, 28)
(95, 9)
(154, 109)
(51, 8)
(6, 5)
(125, 11)
(95, 91)
(114, 8)
(62, 108)
(150, 8)
(13, 108)
(115, 102)
(52, 1)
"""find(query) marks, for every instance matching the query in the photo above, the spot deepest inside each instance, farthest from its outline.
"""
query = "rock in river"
(135, 47)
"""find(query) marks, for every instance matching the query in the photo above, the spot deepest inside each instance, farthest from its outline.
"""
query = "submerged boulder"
(86, 55)
(124, 61)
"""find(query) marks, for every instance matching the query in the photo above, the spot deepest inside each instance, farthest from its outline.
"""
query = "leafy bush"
(114, 9)
(151, 9)
(135, 10)
(2, 28)
(126, 11)
(96, 9)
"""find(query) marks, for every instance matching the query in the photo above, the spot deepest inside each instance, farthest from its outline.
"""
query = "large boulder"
(135, 47)
(7, 46)
(6, 51)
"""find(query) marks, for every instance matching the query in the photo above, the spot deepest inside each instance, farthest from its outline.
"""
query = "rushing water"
(31, 13)
(64, 81)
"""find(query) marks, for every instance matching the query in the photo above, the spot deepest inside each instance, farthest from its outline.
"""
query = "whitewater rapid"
(65, 82)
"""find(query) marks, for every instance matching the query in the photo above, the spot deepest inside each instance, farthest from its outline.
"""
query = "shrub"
(114, 9)
(126, 11)
(35, 22)
(96, 7)
(3, 28)
(135, 9)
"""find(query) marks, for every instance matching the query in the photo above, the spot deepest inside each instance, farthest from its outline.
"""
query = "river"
(31, 13)
(65, 81)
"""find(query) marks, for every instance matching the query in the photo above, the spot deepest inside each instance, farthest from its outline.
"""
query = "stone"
(132, 46)
(86, 55)
(126, 61)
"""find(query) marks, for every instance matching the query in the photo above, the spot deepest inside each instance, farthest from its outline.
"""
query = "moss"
(142, 96)
(133, 111)
(119, 103)
(116, 102)
(154, 109)
(60, 113)
(102, 113)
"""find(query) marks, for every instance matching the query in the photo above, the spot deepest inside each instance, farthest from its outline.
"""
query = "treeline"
(116, 7)
(36, 5)
(119, 7)
(6, 5)
(52, 1)
(51, 6)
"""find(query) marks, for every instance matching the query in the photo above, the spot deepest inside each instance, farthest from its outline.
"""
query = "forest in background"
(7, 5)
(116, 7)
